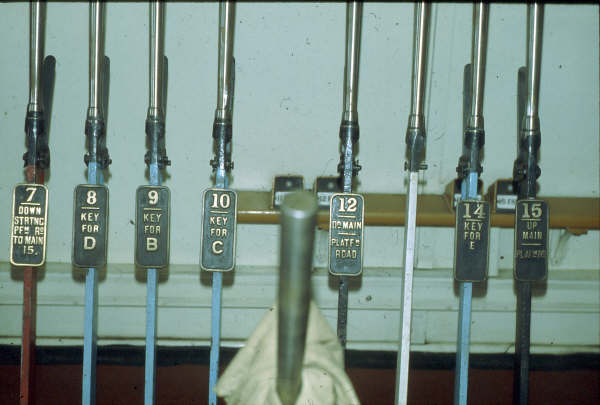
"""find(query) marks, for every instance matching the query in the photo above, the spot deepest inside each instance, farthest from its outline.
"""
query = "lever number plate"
(218, 230)
(531, 240)
(471, 240)
(28, 225)
(153, 206)
(90, 225)
(346, 224)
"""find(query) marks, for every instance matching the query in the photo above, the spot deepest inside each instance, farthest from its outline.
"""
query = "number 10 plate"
(218, 230)
(346, 220)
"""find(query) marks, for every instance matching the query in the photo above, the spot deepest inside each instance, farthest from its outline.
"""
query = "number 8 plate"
(90, 225)
(218, 230)
(346, 223)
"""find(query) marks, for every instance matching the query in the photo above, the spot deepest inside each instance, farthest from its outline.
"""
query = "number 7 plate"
(28, 225)
(346, 224)
(218, 230)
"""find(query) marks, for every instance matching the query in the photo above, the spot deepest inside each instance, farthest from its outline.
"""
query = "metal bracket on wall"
(578, 214)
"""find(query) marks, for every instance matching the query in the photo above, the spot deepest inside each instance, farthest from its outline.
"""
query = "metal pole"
(419, 69)
(522, 344)
(37, 16)
(535, 17)
(526, 174)
(97, 160)
(353, 31)
(415, 150)
(349, 130)
(403, 360)
(298, 221)
(475, 124)
(157, 55)
(478, 59)
(35, 141)
(222, 130)
(27, 372)
(225, 66)
(95, 109)
(156, 115)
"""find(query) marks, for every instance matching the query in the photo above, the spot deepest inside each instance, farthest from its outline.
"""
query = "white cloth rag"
(250, 378)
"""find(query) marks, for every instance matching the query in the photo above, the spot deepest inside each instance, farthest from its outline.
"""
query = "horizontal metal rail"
(577, 214)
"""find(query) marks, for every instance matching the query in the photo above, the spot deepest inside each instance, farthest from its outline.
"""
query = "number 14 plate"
(346, 224)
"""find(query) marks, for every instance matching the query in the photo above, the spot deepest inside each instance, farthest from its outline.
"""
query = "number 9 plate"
(346, 224)
(153, 206)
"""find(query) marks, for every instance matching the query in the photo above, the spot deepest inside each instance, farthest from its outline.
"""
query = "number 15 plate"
(346, 220)
(531, 240)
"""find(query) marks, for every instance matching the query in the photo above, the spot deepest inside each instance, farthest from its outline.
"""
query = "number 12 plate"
(218, 230)
(346, 223)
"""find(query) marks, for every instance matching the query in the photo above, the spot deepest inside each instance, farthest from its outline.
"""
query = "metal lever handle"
(298, 221)
(535, 16)
(415, 131)
(41, 87)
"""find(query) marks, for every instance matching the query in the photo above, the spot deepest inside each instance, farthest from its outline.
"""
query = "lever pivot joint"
(470, 161)
(95, 133)
(222, 134)
(415, 149)
(155, 138)
(526, 170)
(37, 153)
(349, 134)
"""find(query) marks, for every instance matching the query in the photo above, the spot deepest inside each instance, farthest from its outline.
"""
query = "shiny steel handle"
(535, 17)
(478, 59)
(225, 86)
(97, 62)
(157, 58)
(37, 14)
(353, 29)
(416, 119)
(298, 221)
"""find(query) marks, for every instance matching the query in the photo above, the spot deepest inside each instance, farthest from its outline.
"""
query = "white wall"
(289, 72)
